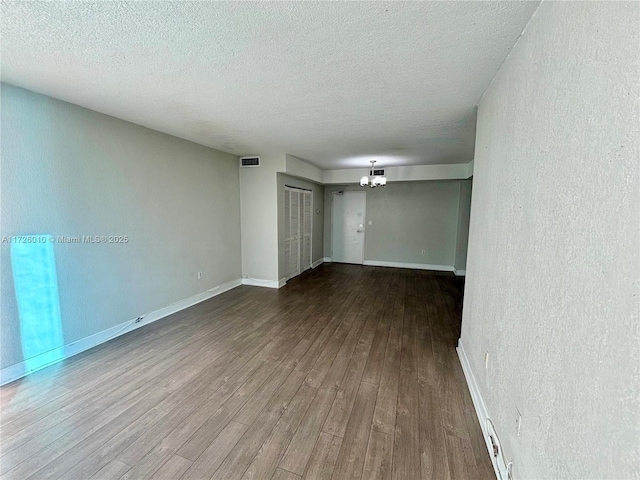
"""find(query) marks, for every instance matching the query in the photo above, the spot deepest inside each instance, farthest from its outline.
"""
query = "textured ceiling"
(334, 83)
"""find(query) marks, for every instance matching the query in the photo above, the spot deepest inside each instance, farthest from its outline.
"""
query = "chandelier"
(373, 180)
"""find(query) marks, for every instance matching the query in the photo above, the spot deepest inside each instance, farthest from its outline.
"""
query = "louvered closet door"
(298, 217)
(305, 242)
(294, 234)
(287, 229)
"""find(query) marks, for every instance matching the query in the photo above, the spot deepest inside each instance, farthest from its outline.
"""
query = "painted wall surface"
(552, 290)
(259, 218)
(317, 237)
(406, 218)
(464, 211)
(410, 173)
(301, 169)
(69, 171)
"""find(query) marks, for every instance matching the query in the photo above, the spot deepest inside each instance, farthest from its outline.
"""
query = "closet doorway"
(298, 209)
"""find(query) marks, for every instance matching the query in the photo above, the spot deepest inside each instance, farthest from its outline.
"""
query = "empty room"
(319, 240)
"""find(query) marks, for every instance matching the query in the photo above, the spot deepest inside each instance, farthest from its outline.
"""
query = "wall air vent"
(249, 161)
(378, 172)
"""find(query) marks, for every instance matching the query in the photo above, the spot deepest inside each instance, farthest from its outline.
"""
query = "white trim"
(317, 262)
(479, 405)
(460, 273)
(415, 266)
(327, 259)
(19, 370)
(259, 282)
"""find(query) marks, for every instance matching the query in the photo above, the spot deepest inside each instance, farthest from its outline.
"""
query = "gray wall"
(318, 218)
(464, 211)
(259, 218)
(406, 219)
(71, 171)
(552, 290)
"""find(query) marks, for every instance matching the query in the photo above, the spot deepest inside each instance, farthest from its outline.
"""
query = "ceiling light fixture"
(373, 180)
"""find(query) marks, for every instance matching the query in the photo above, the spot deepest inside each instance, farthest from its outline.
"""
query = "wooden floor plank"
(323, 458)
(384, 417)
(378, 461)
(284, 475)
(336, 421)
(299, 451)
(406, 455)
(350, 460)
(113, 470)
(216, 452)
(243, 453)
(173, 469)
(266, 460)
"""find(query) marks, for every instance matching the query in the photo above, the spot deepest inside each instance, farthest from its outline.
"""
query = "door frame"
(364, 220)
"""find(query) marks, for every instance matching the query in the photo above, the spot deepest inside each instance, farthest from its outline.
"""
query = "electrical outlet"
(139, 319)
(486, 360)
(199, 275)
(424, 252)
(518, 421)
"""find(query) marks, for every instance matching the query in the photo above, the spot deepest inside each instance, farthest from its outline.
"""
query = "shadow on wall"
(36, 287)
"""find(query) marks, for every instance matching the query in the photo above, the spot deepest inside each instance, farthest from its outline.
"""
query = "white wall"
(299, 168)
(259, 218)
(553, 270)
(464, 211)
(411, 173)
(317, 227)
(406, 218)
(70, 171)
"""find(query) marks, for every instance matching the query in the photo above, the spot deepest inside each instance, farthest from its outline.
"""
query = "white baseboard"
(19, 370)
(414, 266)
(317, 262)
(480, 407)
(259, 282)
(327, 259)
(460, 273)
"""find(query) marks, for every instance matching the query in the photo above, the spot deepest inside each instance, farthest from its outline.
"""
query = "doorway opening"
(298, 224)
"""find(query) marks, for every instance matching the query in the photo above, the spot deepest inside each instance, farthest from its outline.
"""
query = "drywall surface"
(68, 171)
(317, 234)
(464, 211)
(406, 218)
(552, 290)
(259, 218)
(410, 173)
(299, 168)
